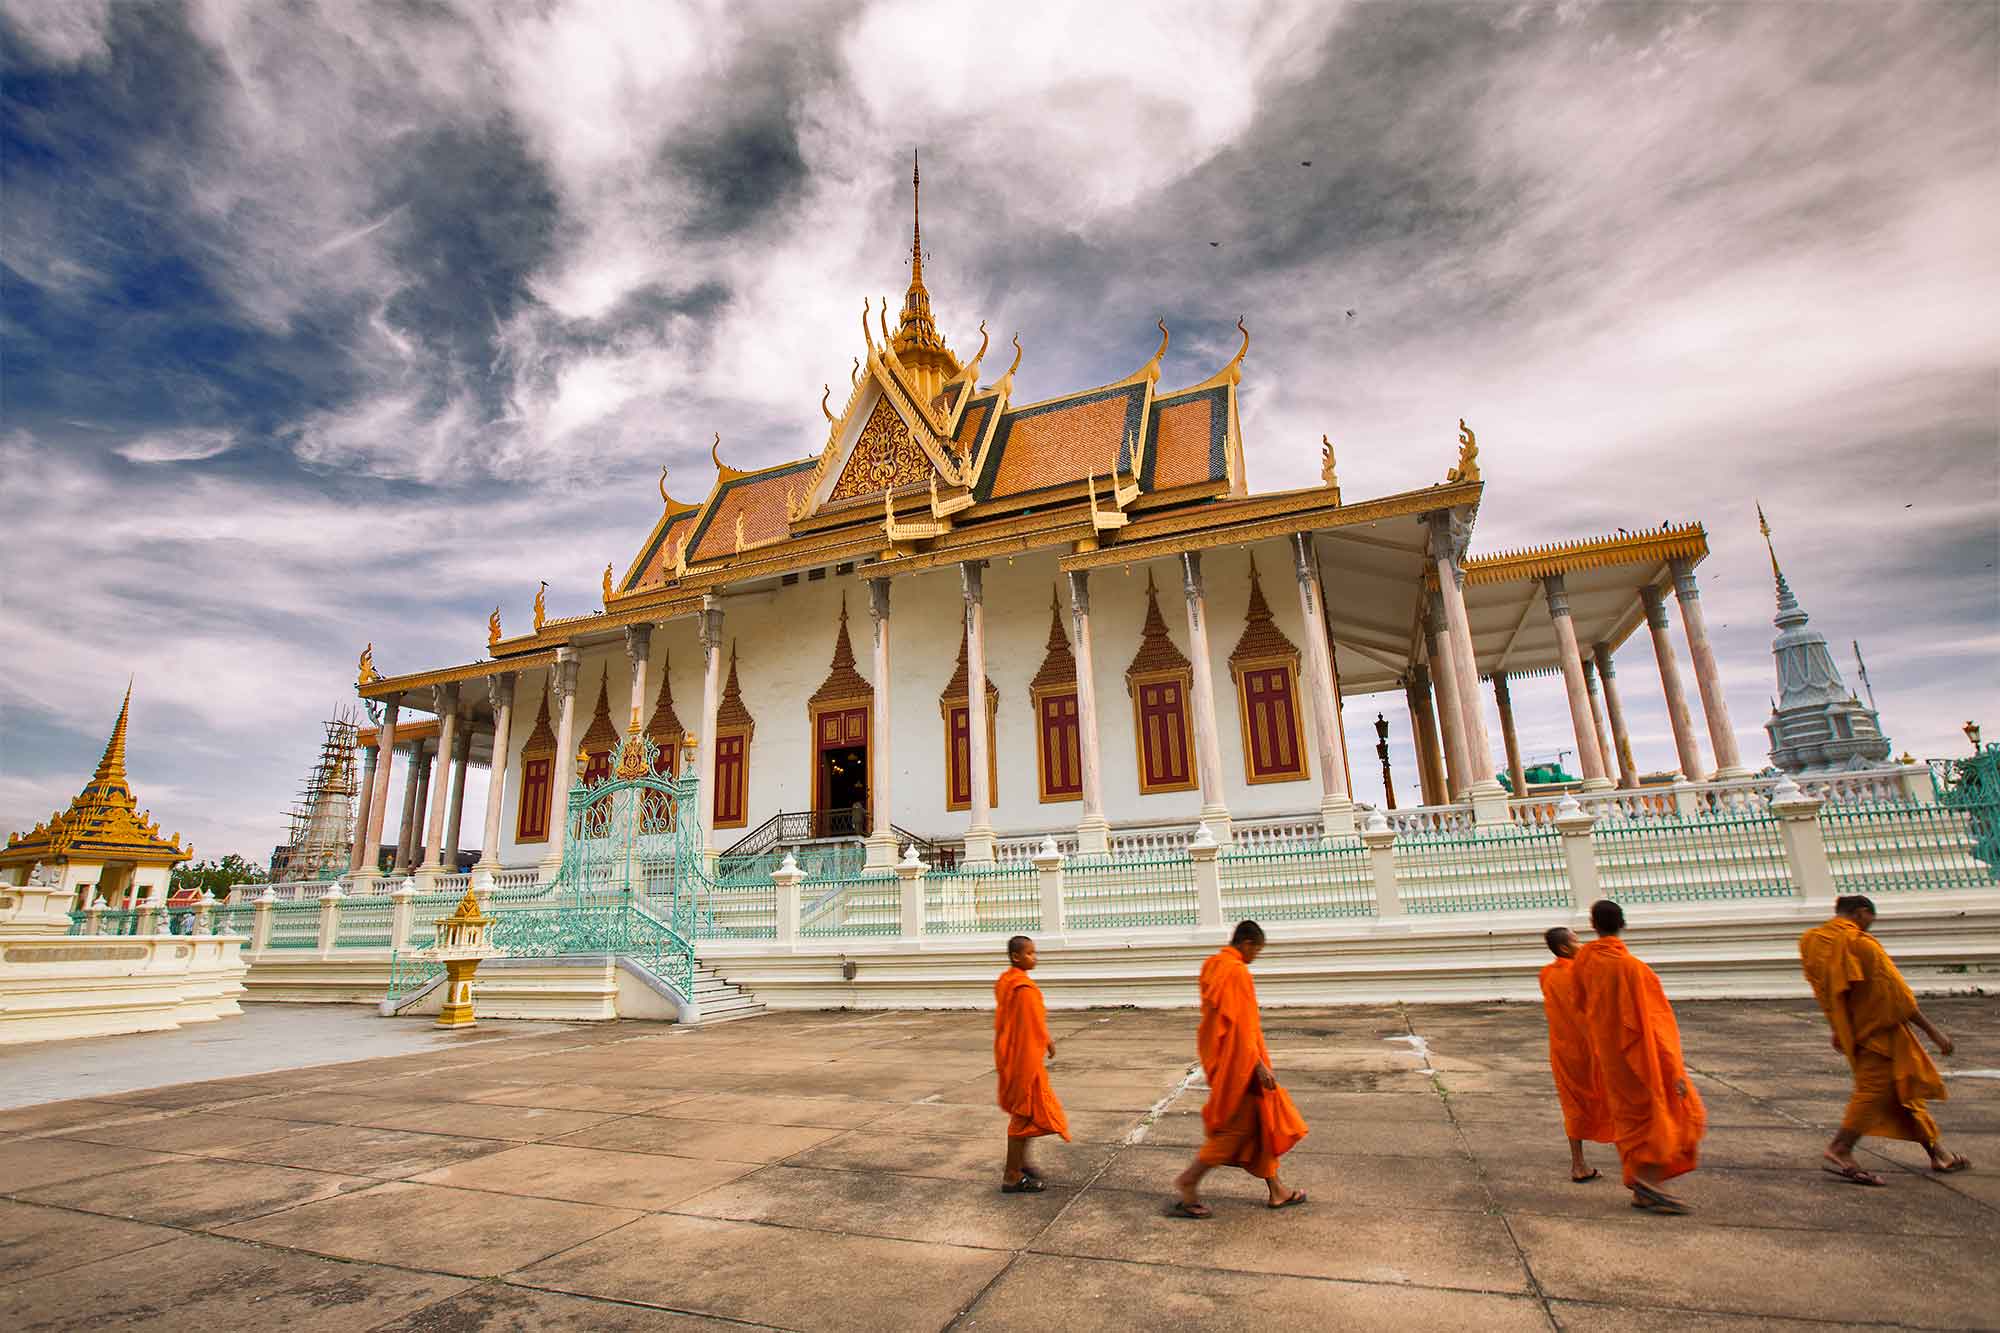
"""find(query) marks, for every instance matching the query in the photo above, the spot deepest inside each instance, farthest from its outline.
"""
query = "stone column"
(1449, 534)
(454, 820)
(639, 651)
(1207, 736)
(1621, 740)
(1336, 806)
(711, 704)
(444, 700)
(978, 833)
(1504, 701)
(378, 802)
(1424, 734)
(562, 773)
(881, 830)
(358, 860)
(1093, 833)
(1707, 676)
(406, 831)
(1444, 678)
(1678, 717)
(1598, 728)
(500, 693)
(1587, 756)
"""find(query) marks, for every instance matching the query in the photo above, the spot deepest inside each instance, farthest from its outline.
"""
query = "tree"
(217, 877)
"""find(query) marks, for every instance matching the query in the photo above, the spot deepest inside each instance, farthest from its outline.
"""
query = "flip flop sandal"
(1958, 1162)
(1853, 1175)
(1030, 1172)
(1297, 1197)
(1025, 1185)
(1199, 1212)
(1647, 1197)
(1595, 1174)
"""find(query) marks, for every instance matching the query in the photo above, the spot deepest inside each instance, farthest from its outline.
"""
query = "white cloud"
(179, 446)
(64, 32)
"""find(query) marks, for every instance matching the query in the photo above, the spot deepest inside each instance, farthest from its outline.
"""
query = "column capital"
(1303, 567)
(444, 699)
(1656, 606)
(1601, 654)
(562, 676)
(708, 624)
(638, 642)
(1191, 584)
(1556, 589)
(1079, 593)
(1684, 584)
(972, 581)
(500, 690)
(878, 603)
(1449, 536)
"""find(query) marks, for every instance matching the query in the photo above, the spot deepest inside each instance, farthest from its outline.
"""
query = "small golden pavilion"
(1154, 642)
(103, 846)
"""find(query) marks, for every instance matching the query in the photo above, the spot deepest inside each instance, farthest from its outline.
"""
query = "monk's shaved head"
(1247, 932)
(1606, 917)
(1854, 904)
(1018, 944)
(1561, 940)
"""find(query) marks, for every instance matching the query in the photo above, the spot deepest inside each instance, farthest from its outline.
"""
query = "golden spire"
(1764, 526)
(916, 341)
(111, 768)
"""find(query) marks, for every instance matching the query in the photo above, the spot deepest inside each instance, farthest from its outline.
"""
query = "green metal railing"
(1298, 884)
(852, 905)
(1711, 858)
(975, 899)
(234, 919)
(1489, 869)
(1100, 893)
(579, 927)
(741, 903)
(365, 923)
(294, 925)
(1897, 848)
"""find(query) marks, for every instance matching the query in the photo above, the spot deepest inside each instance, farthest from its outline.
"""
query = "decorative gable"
(885, 457)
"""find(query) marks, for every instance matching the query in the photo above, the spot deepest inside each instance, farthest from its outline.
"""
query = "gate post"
(1579, 852)
(329, 919)
(260, 923)
(910, 872)
(1202, 849)
(1048, 862)
(787, 877)
(1380, 840)
(1805, 840)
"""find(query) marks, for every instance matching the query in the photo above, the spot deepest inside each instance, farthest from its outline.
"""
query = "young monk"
(1578, 1087)
(1656, 1115)
(1248, 1120)
(1871, 1010)
(1020, 1046)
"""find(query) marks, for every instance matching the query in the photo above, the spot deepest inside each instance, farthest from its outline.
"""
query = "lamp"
(1972, 734)
(1382, 753)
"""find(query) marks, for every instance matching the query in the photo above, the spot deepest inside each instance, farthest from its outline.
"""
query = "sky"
(327, 324)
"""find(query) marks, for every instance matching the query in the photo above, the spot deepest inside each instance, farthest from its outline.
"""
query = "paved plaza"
(839, 1171)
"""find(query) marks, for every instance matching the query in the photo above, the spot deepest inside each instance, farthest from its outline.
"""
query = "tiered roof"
(103, 824)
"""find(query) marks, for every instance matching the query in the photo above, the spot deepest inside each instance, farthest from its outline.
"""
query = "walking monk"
(1020, 1045)
(1657, 1117)
(1578, 1087)
(1871, 1010)
(1248, 1121)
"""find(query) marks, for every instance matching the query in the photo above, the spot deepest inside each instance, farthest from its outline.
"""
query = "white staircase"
(721, 1001)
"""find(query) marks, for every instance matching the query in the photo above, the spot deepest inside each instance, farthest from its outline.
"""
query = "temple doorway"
(844, 791)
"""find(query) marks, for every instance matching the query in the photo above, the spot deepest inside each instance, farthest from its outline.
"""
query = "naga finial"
(607, 584)
(493, 629)
(665, 499)
(1326, 473)
(1005, 384)
(541, 605)
(867, 334)
(1151, 370)
(715, 452)
(854, 375)
(883, 315)
(1468, 455)
(824, 410)
(1234, 368)
(973, 365)
(367, 674)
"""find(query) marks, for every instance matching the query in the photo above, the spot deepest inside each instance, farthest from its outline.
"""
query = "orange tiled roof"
(657, 567)
(1189, 440)
(1057, 443)
(760, 498)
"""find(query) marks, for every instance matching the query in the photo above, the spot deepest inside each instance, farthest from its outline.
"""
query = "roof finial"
(111, 768)
(1764, 526)
(916, 224)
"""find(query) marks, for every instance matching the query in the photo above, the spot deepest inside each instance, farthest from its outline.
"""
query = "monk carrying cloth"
(1249, 1122)
(1657, 1118)
(1020, 1045)
(1578, 1086)
(1871, 1011)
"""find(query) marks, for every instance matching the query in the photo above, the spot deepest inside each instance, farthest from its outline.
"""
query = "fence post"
(482, 888)
(1579, 850)
(329, 919)
(143, 921)
(202, 907)
(787, 877)
(93, 917)
(1916, 780)
(402, 914)
(260, 924)
(1048, 862)
(1804, 839)
(1380, 840)
(1686, 804)
(1202, 849)
(910, 871)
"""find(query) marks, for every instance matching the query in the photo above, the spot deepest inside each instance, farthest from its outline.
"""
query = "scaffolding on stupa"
(322, 821)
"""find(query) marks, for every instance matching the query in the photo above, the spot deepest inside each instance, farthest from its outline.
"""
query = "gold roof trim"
(1688, 541)
(385, 686)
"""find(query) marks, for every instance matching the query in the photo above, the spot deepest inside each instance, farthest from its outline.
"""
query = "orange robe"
(1869, 1006)
(1578, 1087)
(1245, 1125)
(1020, 1047)
(1637, 1047)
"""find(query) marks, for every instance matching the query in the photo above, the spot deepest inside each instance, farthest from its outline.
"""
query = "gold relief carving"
(607, 583)
(884, 458)
(1468, 455)
(493, 629)
(541, 605)
(367, 674)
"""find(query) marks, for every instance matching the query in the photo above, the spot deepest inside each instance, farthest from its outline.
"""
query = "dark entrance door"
(840, 787)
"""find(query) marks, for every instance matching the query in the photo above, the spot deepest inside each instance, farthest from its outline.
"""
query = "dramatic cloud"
(345, 322)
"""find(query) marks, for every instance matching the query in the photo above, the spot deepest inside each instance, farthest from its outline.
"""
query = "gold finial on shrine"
(368, 675)
(1764, 526)
(493, 629)
(665, 499)
(1005, 384)
(1326, 472)
(607, 583)
(541, 605)
(1468, 456)
(972, 366)
(1151, 370)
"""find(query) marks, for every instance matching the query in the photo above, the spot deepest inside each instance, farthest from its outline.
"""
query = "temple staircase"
(721, 1000)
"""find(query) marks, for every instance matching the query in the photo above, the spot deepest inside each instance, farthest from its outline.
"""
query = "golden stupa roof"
(103, 824)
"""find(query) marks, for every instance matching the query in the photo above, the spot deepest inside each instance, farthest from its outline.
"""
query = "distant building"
(1817, 724)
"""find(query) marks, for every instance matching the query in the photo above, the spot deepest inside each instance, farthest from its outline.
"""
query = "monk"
(1020, 1046)
(1656, 1115)
(1871, 1010)
(1248, 1121)
(1578, 1087)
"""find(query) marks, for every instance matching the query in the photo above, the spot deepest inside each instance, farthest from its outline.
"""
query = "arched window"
(1266, 668)
(733, 729)
(1160, 681)
(1058, 742)
(954, 704)
(531, 818)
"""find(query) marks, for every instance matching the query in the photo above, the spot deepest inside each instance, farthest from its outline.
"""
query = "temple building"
(969, 620)
(1817, 724)
(103, 847)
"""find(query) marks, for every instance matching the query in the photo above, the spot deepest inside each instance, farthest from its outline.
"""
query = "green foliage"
(217, 877)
